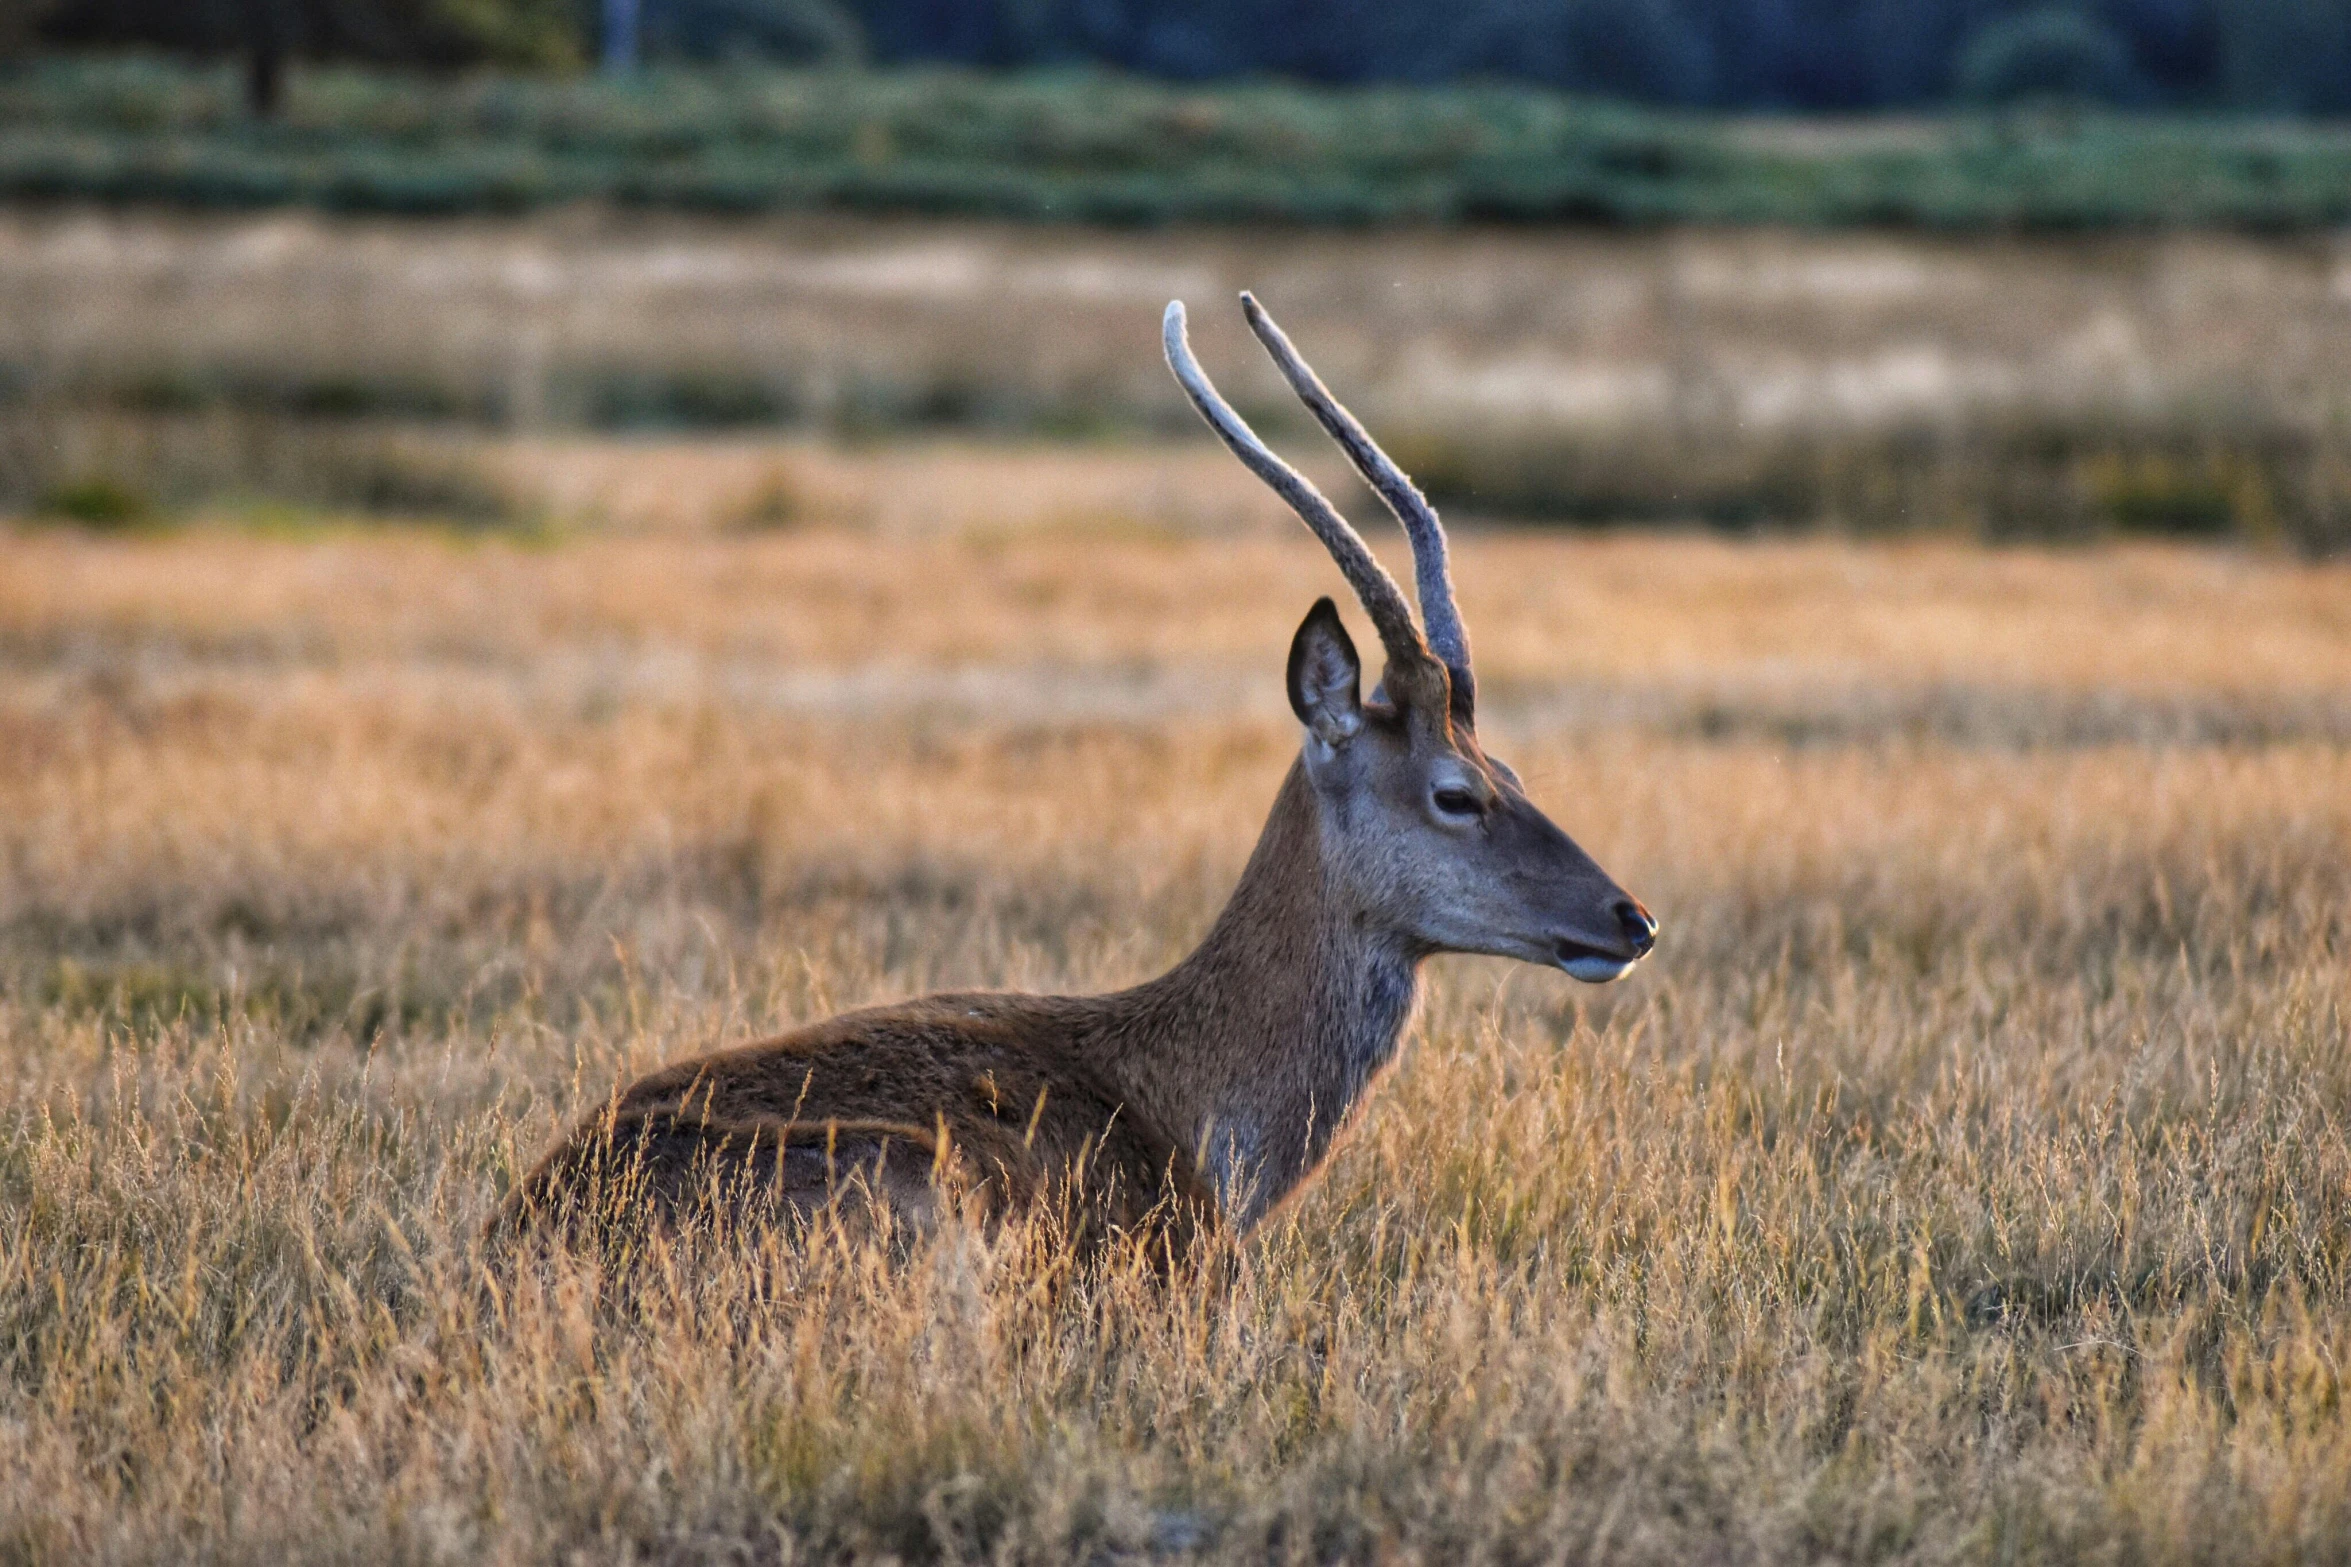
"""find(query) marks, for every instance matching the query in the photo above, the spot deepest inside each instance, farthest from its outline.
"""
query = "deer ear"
(1326, 676)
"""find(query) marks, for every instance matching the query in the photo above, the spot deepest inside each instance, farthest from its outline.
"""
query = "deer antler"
(1432, 576)
(1382, 599)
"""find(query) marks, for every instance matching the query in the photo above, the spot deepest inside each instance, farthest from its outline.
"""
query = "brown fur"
(988, 1101)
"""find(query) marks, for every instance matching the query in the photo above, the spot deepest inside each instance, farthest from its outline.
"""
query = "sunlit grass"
(1967, 1177)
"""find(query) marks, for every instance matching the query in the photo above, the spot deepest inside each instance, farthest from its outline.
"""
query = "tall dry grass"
(1966, 1178)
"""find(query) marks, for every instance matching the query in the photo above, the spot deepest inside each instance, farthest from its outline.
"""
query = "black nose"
(1639, 928)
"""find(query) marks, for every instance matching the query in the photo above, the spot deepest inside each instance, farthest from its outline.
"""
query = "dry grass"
(898, 489)
(1967, 1178)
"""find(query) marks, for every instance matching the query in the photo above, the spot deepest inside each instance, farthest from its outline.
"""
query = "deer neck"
(1253, 1051)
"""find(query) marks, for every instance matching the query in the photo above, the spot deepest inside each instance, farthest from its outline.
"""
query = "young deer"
(1213, 1091)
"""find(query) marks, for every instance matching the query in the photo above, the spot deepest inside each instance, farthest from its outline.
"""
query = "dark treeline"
(2291, 56)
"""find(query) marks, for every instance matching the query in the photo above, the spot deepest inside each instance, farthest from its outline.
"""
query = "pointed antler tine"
(1432, 572)
(1382, 599)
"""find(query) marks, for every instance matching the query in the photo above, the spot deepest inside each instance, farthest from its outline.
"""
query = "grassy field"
(1967, 1177)
(2192, 384)
(1091, 147)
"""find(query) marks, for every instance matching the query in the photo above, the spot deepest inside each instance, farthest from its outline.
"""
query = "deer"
(1207, 1097)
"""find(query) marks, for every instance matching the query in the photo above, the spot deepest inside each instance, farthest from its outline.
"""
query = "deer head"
(1425, 835)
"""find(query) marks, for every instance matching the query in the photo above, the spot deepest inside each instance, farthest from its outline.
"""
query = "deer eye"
(1458, 802)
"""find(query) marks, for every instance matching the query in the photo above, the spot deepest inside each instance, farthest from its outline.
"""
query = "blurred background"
(1961, 266)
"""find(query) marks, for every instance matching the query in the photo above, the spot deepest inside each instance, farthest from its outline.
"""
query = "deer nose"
(1640, 928)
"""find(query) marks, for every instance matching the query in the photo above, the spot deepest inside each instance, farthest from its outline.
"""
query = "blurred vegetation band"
(1090, 147)
(109, 469)
(2015, 478)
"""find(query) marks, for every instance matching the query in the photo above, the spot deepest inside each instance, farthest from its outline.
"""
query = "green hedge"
(1084, 146)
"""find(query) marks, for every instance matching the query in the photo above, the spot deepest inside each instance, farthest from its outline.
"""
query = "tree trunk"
(265, 60)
